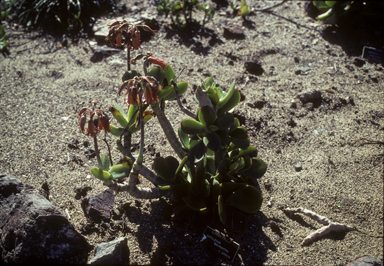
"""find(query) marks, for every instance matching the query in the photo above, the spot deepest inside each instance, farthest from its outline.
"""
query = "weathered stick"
(328, 228)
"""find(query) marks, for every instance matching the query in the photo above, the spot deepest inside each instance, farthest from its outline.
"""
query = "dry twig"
(328, 228)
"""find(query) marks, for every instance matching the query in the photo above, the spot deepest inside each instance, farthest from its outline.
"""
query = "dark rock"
(257, 104)
(113, 252)
(103, 52)
(33, 230)
(82, 191)
(45, 190)
(365, 261)
(298, 167)
(73, 144)
(373, 78)
(312, 96)
(98, 207)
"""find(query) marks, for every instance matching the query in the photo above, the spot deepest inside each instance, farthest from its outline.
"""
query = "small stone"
(298, 167)
(293, 104)
(315, 132)
(373, 77)
(65, 118)
(312, 96)
(365, 261)
(233, 33)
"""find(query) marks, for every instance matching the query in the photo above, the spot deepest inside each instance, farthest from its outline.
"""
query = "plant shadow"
(192, 35)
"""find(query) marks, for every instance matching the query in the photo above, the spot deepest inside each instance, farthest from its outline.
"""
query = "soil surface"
(325, 155)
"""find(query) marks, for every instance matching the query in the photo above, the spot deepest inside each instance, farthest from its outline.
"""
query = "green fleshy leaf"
(212, 141)
(213, 128)
(118, 107)
(184, 138)
(116, 131)
(120, 170)
(190, 126)
(229, 187)
(244, 11)
(207, 115)
(321, 5)
(197, 151)
(165, 91)
(226, 96)
(210, 165)
(102, 175)
(158, 73)
(257, 169)
(236, 220)
(196, 204)
(209, 82)
(173, 164)
(131, 111)
(225, 121)
(169, 74)
(239, 137)
(250, 151)
(120, 118)
(105, 162)
(130, 75)
(136, 127)
(179, 170)
(206, 188)
(330, 3)
(213, 96)
(231, 103)
(183, 86)
(198, 177)
(247, 199)
(161, 167)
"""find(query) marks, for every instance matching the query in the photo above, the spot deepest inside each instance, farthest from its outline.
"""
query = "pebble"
(65, 118)
(298, 167)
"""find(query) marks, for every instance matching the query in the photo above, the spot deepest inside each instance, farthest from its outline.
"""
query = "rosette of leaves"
(108, 173)
(220, 161)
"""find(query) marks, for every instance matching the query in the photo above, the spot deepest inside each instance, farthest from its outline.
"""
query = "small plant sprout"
(213, 157)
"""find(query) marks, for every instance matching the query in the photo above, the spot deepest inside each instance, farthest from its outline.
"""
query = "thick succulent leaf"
(224, 165)
(166, 187)
(169, 74)
(184, 138)
(213, 128)
(229, 187)
(116, 131)
(161, 167)
(183, 86)
(222, 209)
(239, 137)
(321, 5)
(206, 188)
(244, 11)
(180, 191)
(158, 73)
(197, 151)
(180, 169)
(120, 118)
(225, 121)
(198, 177)
(213, 96)
(209, 82)
(196, 204)
(120, 170)
(224, 137)
(231, 103)
(226, 96)
(207, 116)
(257, 169)
(190, 126)
(136, 127)
(330, 3)
(120, 109)
(100, 174)
(236, 124)
(105, 162)
(210, 165)
(130, 75)
(241, 164)
(247, 199)
(173, 164)
(212, 141)
(165, 91)
(250, 151)
(131, 111)
(247, 163)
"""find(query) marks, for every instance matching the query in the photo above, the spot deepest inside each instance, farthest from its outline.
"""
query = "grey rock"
(98, 207)
(233, 33)
(33, 230)
(113, 252)
(298, 167)
(312, 96)
(365, 261)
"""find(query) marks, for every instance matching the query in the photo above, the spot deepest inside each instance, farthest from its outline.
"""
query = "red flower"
(135, 36)
(157, 61)
(98, 121)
